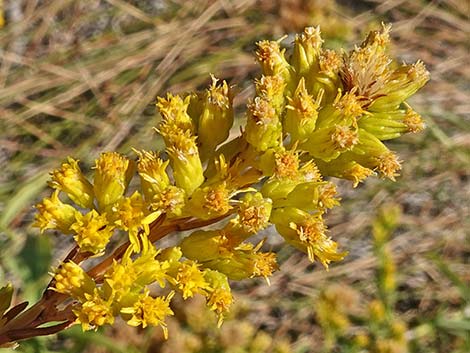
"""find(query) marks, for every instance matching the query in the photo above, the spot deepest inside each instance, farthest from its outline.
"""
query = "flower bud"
(329, 142)
(345, 169)
(202, 245)
(310, 196)
(72, 280)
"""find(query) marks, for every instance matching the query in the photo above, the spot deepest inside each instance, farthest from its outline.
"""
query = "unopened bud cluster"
(317, 113)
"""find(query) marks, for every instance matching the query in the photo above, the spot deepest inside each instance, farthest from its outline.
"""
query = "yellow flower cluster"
(316, 113)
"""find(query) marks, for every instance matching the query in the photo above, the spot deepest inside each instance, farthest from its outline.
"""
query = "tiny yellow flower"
(190, 279)
(219, 296)
(302, 112)
(149, 311)
(112, 175)
(152, 172)
(92, 231)
(263, 128)
(307, 48)
(94, 311)
(54, 214)
(272, 59)
(170, 201)
(210, 201)
(216, 117)
(174, 112)
(253, 213)
(271, 89)
(307, 233)
(70, 179)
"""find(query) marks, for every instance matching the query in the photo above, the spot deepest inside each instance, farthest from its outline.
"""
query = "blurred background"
(81, 77)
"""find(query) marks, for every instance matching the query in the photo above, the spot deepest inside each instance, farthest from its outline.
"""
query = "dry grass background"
(81, 77)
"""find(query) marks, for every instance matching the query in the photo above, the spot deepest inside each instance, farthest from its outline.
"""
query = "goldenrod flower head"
(306, 232)
(92, 231)
(367, 68)
(152, 172)
(245, 261)
(210, 201)
(72, 280)
(413, 121)
(69, 179)
(120, 280)
(307, 48)
(219, 296)
(185, 161)
(344, 137)
(253, 213)
(402, 83)
(149, 311)
(112, 175)
(329, 62)
(216, 117)
(170, 201)
(174, 112)
(190, 279)
(302, 112)
(286, 164)
(264, 264)
(131, 214)
(388, 165)
(54, 214)
(349, 104)
(127, 278)
(263, 128)
(272, 59)
(310, 196)
(130, 211)
(309, 172)
(271, 89)
(326, 78)
(94, 311)
(203, 245)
